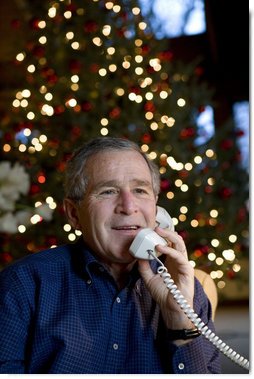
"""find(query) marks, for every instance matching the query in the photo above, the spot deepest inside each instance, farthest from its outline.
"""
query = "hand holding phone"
(145, 241)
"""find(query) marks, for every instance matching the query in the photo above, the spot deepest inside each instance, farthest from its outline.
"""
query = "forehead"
(115, 164)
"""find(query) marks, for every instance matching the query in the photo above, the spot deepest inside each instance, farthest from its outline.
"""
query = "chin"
(125, 257)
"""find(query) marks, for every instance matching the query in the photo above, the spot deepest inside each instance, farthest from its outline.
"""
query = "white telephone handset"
(143, 247)
(147, 239)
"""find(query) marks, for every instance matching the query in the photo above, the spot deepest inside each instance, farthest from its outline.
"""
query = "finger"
(172, 253)
(173, 238)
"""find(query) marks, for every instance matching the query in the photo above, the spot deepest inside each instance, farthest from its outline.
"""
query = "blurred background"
(172, 75)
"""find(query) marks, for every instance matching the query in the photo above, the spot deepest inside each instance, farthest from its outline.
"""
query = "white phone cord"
(200, 325)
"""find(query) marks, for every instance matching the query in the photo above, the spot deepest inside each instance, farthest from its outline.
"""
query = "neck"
(120, 272)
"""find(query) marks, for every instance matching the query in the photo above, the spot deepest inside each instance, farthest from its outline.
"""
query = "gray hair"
(75, 176)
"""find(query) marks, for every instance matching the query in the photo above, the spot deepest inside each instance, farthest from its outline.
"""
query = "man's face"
(119, 201)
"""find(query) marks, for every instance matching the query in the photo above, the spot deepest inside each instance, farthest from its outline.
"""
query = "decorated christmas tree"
(95, 68)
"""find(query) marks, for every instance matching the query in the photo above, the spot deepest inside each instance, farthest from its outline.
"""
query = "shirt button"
(181, 366)
(115, 346)
(118, 300)
(89, 281)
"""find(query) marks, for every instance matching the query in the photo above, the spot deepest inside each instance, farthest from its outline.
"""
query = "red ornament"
(150, 70)
(15, 24)
(231, 274)
(225, 192)
(198, 216)
(201, 108)
(124, 16)
(187, 133)
(238, 156)
(51, 241)
(146, 138)
(17, 127)
(226, 144)
(59, 109)
(183, 174)
(29, 78)
(76, 131)
(199, 71)
(91, 26)
(94, 67)
(52, 79)
(121, 32)
(166, 56)
(38, 51)
(41, 178)
(145, 49)
(30, 45)
(86, 106)
(34, 189)
(34, 23)
(184, 234)
(149, 106)
(197, 253)
(6, 257)
(71, 7)
(54, 143)
(239, 133)
(163, 161)
(205, 169)
(241, 214)
(8, 137)
(225, 165)
(164, 185)
(75, 66)
(61, 166)
(135, 90)
(205, 249)
(208, 189)
(115, 113)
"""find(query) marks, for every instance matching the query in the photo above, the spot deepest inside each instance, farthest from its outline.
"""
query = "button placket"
(181, 366)
(115, 346)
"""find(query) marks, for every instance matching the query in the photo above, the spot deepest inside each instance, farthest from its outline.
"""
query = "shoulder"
(42, 260)
(44, 273)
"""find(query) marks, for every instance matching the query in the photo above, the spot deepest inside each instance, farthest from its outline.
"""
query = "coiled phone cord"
(200, 325)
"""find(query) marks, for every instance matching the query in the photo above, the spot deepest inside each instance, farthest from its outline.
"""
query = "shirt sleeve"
(199, 356)
(14, 321)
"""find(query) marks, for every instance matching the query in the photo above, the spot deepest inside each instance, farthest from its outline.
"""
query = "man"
(90, 306)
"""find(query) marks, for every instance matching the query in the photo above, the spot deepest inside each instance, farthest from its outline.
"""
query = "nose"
(126, 203)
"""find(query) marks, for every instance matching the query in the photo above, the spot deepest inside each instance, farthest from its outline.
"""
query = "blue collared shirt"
(61, 312)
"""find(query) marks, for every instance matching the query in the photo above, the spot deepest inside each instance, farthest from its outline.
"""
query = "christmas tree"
(95, 68)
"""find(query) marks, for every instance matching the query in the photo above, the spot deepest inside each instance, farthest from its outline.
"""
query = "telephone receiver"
(146, 240)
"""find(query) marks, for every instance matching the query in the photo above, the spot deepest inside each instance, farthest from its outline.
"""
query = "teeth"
(127, 228)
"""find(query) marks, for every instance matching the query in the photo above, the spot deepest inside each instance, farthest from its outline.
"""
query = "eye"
(108, 192)
(141, 191)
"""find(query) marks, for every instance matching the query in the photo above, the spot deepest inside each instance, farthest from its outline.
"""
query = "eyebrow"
(114, 183)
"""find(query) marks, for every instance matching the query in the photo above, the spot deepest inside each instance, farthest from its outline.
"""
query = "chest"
(92, 323)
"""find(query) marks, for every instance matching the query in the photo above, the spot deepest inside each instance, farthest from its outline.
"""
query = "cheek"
(150, 214)
(96, 215)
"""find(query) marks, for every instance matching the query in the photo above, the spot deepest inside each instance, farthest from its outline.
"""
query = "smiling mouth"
(126, 227)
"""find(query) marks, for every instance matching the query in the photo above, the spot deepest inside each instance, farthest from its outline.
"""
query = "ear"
(71, 211)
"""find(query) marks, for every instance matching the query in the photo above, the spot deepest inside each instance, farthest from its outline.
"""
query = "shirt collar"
(88, 263)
